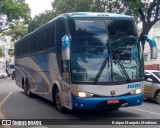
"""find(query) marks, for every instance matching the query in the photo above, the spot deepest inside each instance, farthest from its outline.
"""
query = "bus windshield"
(104, 50)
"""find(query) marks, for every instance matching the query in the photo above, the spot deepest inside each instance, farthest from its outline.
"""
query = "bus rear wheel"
(58, 103)
(27, 89)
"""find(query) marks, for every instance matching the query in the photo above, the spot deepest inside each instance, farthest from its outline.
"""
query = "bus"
(84, 61)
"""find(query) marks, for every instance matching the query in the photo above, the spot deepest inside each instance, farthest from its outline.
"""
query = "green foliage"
(1, 52)
(146, 11)
(40, 19)
(109, 6)
(11, 53)
(14, 10)
(66, 6)
(18, 32)
(143, 10)
(129, 7)
(59, 7)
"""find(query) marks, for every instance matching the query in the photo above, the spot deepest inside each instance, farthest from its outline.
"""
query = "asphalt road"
(15, 105)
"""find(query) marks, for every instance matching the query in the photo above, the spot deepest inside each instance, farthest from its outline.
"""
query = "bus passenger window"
(60, 30)
(50, 36)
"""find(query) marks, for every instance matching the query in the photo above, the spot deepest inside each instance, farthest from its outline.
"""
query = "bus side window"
(60, 30)
(35, 44)
(50, 36)
(42, 40)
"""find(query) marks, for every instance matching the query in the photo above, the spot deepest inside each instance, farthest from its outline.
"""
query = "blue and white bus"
(83, 61)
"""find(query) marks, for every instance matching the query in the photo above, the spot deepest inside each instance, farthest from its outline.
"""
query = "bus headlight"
(137, 91)
(82, 94)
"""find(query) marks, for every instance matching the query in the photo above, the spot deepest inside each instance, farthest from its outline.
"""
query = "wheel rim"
(58, 100)
(158, 98)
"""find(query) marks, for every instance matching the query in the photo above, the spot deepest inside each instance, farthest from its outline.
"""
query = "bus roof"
(94, 14)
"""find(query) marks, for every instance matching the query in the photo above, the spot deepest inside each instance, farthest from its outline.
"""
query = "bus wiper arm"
(101, 70)
(123, 70)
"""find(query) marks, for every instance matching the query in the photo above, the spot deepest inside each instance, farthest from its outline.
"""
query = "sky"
(39, 6)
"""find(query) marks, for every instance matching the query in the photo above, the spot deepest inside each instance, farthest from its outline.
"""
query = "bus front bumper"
(106, 103)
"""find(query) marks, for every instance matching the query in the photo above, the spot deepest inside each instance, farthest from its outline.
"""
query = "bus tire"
(158, 97)
(57, 101)
(22, 83)
(27, 90)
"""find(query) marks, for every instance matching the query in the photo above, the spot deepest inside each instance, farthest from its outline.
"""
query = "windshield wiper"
(122, 69)
(101, 70)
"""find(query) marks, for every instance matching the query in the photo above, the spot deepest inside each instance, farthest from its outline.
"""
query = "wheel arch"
(54, 87)
(157, 91)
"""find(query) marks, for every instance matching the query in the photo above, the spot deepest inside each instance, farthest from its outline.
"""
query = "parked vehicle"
(10, 70)
(152, 85)
(13, 75)
(3, 74)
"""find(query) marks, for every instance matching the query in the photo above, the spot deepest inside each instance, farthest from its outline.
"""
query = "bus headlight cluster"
(137, 91)
(82, 94)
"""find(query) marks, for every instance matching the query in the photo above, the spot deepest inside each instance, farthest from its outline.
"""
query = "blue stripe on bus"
(92, 103)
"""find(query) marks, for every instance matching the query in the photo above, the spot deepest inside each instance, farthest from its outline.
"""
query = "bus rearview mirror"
(65, 48)
(153, 46)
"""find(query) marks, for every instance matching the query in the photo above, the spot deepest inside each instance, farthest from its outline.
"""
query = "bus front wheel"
(158, 97)
(58, 103)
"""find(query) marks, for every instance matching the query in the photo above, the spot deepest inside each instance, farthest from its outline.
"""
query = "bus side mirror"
(153, 46)
(65, 48)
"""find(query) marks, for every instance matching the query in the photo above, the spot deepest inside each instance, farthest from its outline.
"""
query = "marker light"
(82, 94)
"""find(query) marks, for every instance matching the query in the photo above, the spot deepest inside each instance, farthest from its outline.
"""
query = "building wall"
(148, 62)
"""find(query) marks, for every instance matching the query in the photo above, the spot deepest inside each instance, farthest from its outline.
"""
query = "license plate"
(113, 101)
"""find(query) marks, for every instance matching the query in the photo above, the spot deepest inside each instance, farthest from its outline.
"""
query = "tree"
(11, 53)
(110, 6)
(1, 52)
(65, 6)
(40, 19)
(149, 15)
(59, 7)
(18, 32)
(11, 11)
(146, 11)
